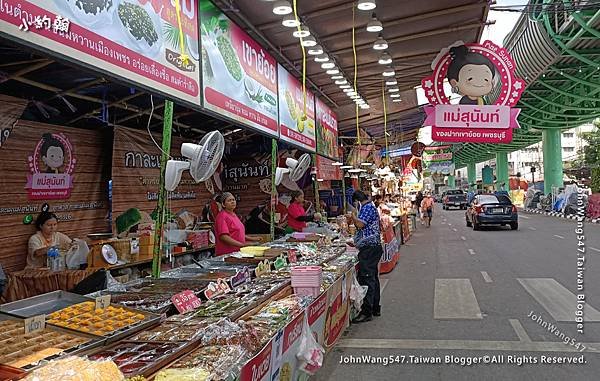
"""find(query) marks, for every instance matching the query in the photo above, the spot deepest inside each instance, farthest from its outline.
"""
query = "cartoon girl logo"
(471, 74)
(52, 153)
(51, 168)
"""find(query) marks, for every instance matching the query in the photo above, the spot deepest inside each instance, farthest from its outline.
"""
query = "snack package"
(194, 374)
(76, 369)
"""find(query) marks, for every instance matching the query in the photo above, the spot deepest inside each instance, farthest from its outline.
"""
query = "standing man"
(368, 242)
(418, 201)
(427, 208)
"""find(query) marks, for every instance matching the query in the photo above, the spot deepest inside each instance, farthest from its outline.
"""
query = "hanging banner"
(239, 76)
(473, 71)
(327, 131)
(294, 127)
(136, 40)
(326, 170)
(438, 160)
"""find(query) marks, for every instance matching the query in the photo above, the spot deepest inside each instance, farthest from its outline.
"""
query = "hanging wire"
(184, 57)
(387, 148)
(355, 69)
(303, 63)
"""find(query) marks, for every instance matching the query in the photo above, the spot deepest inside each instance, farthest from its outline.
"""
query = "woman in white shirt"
(46, 237)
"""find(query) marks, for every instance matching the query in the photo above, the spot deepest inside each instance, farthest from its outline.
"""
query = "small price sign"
(292, 256)
(280, 263)
(186, 301)
(102, 302)
(35, 324)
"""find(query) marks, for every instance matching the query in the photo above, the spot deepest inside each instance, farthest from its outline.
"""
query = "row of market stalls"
(97, 97)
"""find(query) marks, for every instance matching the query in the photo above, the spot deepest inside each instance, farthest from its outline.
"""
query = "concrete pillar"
(451, 181)
(472, 175)
(553, 166)
(501, 170)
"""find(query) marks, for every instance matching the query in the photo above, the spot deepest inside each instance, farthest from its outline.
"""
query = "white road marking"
(519, 330)
(594, 249)
(455, 299)
(559, 236)
(449, 224)
(557, 300)
(382, 286)
(454, 229)
(486, 277)
(463, 238)
(479, 345)
(525, 217)
(471, 251)
(532, 228)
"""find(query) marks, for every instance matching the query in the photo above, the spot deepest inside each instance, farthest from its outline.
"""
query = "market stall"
(223, 319)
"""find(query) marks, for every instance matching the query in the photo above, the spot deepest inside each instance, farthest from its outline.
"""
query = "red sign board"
(327, 171)
(186, 301)
(292, 332)
(259, 368)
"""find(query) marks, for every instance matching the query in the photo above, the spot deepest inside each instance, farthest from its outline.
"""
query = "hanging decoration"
(475, 71)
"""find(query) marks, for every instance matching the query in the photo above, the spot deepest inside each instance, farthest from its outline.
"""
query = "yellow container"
(257, 251)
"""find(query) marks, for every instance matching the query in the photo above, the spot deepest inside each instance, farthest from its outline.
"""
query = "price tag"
(35, 324)
(102, 302)
(292, 256)
(240, 277)
(263, 268)
(186, 301)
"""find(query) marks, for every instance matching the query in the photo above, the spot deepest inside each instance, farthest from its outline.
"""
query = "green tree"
(591, 152)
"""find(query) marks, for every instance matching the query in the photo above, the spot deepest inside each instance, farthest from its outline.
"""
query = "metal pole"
(273, 186)
(344, 205)
(162, 193)
(316, 187)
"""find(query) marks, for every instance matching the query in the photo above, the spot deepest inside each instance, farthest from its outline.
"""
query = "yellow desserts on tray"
(85, 317)
(77, 369)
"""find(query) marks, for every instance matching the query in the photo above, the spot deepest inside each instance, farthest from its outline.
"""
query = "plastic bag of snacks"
(311, 353)
(76, 369)
(194, 374)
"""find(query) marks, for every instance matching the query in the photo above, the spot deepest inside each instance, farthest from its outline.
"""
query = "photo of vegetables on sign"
(327, 131)
(239, 76)
(296, 127)
(138, 40)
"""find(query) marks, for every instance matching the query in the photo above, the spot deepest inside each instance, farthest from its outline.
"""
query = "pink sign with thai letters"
(474, 71)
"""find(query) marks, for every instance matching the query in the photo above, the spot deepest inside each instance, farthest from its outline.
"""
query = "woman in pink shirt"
(297, 216)
(230, 231)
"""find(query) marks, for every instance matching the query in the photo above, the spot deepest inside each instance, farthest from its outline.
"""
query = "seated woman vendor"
(230, 231)
(46, 237)
(297, 216)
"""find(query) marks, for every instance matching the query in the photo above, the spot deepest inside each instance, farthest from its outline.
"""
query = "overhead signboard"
(239, 76)
(438, 160)
(474, 71)
(136, 40)
(326, 170)
(296, 127)
(327, 131)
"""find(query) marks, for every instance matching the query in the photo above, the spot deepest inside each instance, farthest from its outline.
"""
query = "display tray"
(150, 302)
(166, 285)
(113, 326)
(142, 358)
(51, 343)
(203, 274)
(42, 304)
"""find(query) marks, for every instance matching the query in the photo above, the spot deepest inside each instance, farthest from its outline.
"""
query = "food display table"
(248, 324)
(391, 248)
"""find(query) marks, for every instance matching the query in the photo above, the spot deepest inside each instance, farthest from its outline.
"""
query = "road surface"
(458, 296)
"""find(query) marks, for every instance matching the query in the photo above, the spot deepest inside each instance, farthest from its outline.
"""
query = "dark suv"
(454, 198)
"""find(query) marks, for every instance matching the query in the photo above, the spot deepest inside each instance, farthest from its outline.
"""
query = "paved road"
(464, 293)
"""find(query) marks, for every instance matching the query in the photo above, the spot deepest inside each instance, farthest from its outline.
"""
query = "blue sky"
(505, 21)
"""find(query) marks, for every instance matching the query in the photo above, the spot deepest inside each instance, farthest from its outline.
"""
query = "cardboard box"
(146, 240)
(146, 252)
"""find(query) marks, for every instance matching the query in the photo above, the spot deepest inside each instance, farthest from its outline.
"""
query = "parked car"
(454, 198)
(489, 209)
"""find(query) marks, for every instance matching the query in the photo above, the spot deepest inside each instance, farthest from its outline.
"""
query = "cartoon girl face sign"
(52, 153)
(470, 74)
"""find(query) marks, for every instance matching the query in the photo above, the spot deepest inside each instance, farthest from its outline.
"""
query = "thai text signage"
(137, 40)
(438, 160)
(473, 71)
(327, 131)
(296, 114)
(239, 76)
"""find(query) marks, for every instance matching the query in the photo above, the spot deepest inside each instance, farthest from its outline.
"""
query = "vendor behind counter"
(46, 237)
